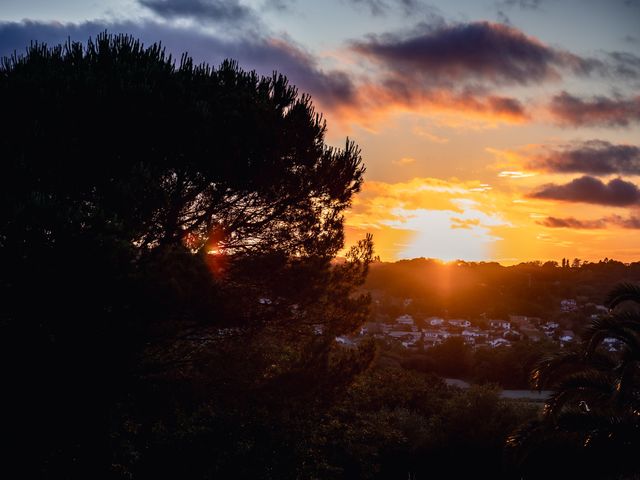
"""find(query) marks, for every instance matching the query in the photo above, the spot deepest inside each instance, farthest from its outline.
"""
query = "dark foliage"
(166, 245)
(473, 289)
(590, 426)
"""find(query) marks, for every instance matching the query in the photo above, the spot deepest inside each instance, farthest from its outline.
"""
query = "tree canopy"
(112, 135)
(167, 240)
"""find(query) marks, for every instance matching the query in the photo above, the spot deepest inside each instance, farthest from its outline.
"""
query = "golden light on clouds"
(424, 133)
(375, 105)
(404, 161)
(437, 218)
(474, 221)
(515, 174)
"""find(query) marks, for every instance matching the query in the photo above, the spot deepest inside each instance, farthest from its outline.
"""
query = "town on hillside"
(421, 332)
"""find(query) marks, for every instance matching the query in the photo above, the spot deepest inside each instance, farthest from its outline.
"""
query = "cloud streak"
(595, 111)
(383, 7)
(586, 189)
(219, 11)
(594, 157)
(477, 51)
(631, 222)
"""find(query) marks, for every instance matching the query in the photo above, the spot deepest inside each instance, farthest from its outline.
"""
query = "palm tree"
(590, 426)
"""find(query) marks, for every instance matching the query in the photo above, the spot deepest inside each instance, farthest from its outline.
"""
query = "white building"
(460, 323)
(404, 320)
(568, 305)
(436, 321)
(500, 324)
(500, 342)
(567, 336)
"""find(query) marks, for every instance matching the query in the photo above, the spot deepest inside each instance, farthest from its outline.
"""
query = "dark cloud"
(383, 7)
(570, 222)
(263, 54)
(587, 189)
(631, 39)
(506, 105)
(377, 7)
(612, 220)
(218, 11)
(471, 52)
(630, 222)
(595, 157)
(624, 65)
(278, 5)
(523, 4)
(503, 18)
(455, 67)
(595, 111)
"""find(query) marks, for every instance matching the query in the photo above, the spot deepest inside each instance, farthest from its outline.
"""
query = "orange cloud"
(470, 220)
(375, 102)
(404, 161)
(430, 217)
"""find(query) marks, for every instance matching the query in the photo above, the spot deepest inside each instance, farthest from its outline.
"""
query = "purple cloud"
(595, 111)
(570, 222)
(595, 157)
(218, 11)
(617, 192)
(483, 51)
(612, 220)
(383, 7)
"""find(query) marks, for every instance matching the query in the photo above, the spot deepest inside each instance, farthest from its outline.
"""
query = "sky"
(497, 130)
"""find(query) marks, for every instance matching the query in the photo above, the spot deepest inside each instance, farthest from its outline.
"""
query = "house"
(414, 336)
(567, 336)
(436, 334)
(499, 342)
(499, 324)
(520, 320)
(568, 305)
(436, 321)
(511, 335)
(371, 328)
(474, 333)
(459, 323)
(345, 341)
(408, 339)
(404, 320)
(612, 344)
(473, 336)
(531, 333)
(431, 342)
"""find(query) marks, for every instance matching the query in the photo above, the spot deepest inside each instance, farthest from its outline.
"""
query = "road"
(532, 395)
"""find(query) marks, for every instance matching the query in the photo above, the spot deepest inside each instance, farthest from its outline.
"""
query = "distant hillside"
(490, 290)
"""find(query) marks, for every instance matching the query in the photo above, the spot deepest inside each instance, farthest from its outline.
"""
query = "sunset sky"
(491, 130)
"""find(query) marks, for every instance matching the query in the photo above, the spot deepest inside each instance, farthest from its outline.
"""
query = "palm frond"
(553, 367)
(521, 443)
(626, 386)
(628, 337)
(629, 320)
(621, 293)
(587, 389)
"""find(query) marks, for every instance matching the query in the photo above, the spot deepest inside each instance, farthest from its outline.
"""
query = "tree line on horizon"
(489, 290)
